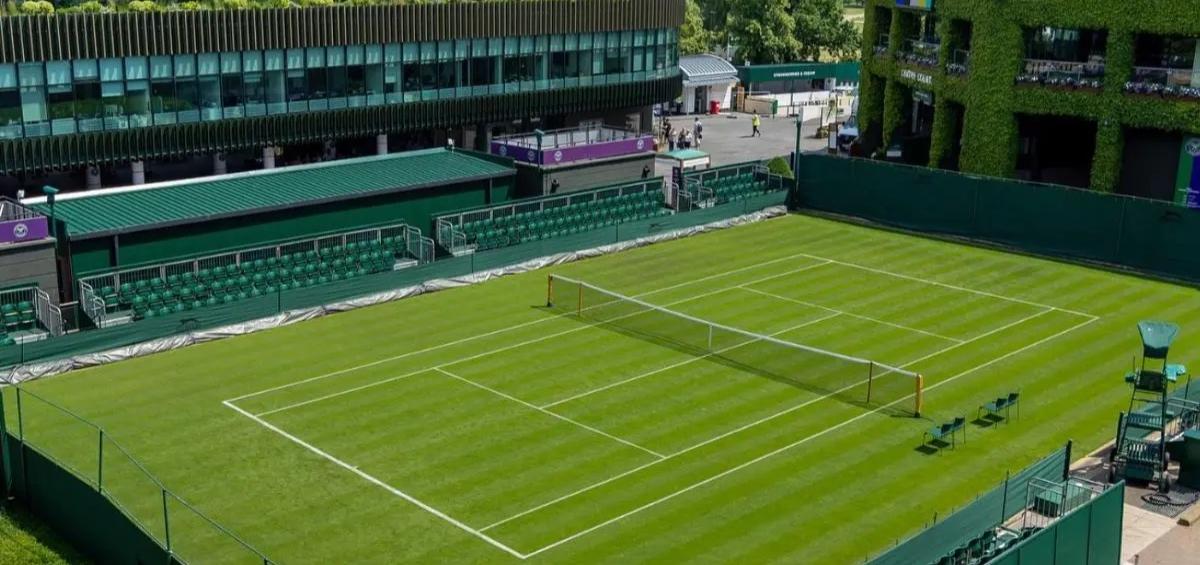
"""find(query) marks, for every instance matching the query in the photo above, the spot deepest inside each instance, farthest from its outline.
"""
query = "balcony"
(920, 53)
(881, 45)
(1065, 74)
(1166, 82)
(960, 62)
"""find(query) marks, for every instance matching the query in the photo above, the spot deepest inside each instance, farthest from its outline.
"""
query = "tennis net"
(862, 382)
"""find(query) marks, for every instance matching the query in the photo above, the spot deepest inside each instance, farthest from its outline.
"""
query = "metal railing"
(568, 137)
(1167, 76)
(451, 237)
(960, 62)
(920, 52)
(48, 315)
(698, 183)
(1046, 501)
(1074, 73)
(97, 308)
(12, 210)
(541, 204)
(92, 305)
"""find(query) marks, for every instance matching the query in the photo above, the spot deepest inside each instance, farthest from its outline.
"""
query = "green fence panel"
(1047, 219)
(1039, 549)
(78, 511)
(1158, 236)
(1107, 520)
(1072, 535)
(1146, 235)
(987, 511)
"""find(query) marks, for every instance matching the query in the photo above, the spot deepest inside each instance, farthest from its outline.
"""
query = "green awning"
(1157, 337)
(846, 72)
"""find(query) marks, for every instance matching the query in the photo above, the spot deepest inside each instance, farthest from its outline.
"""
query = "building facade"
(1092, 93)
(125, 93)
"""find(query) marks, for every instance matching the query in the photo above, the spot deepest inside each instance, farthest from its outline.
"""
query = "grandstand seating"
(16, 315)
(158, 296)
(563, 220)
(736, 187)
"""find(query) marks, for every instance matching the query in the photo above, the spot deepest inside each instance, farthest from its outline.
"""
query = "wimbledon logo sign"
(20, 231)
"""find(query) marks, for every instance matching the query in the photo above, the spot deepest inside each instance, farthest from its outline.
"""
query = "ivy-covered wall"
(989, 92)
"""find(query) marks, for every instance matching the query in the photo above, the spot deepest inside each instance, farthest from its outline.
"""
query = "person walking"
(699, 129)
(667, 132)
(755, 122)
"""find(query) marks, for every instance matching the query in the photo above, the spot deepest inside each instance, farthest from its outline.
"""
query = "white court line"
(531, 323)
(755, 423)
(378, 482)
(850, 314)
(797, 443)
(682, 363)
(554, 414)
(469, 358)
(947, 285)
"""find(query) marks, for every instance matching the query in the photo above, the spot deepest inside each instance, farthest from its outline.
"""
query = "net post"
(710, 337)
(920, 394)
(870, 379)
(579, 305)
(549, 291)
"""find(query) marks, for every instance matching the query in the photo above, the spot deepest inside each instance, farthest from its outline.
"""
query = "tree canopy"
(771, 31)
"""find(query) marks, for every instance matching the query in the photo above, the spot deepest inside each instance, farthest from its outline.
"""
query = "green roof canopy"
(141, 208)
(1157, 337)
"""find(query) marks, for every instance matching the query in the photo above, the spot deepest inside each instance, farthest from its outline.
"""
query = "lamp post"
(796, 155)
(50, 191)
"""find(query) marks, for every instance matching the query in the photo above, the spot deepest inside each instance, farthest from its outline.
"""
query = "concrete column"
(139, 172)
(381, 144)
(487, 135)
(219, 166)
(93, 177)
(468, 137)
(268, 156)
(330, 150)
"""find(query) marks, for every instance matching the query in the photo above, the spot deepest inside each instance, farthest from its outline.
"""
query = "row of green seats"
(148, 301)
(563, 220)
(122, 297)
(17, 317)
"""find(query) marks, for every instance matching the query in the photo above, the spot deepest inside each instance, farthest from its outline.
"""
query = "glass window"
(86, 69)
(111, 70)
(483, 71)
(136, 68)
(137, 102)
(160, 67)
(252, 62)
(315, 57)
(185, 65)
(10, 103)
(57, 72)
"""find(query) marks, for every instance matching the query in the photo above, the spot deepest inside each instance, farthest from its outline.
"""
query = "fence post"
(4, 455)
(166, 522)
(100, 463)
(870, 379)
(1004, 503)
(20, 419)
(1121, 230)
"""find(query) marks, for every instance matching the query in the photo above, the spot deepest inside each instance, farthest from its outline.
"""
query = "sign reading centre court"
(26, 229)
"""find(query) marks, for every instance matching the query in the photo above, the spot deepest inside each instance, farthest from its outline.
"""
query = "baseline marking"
(946, 285)
(800, 442)
(850, 314)
(379, 483)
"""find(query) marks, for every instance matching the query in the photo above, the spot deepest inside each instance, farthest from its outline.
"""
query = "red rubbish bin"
(714, 107)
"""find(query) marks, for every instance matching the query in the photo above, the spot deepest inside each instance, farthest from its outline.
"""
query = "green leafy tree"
(693, 37)
(822, 29)
(764, 31)
(716, 20)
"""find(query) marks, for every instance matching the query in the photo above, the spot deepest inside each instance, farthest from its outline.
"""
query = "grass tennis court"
(478, 425)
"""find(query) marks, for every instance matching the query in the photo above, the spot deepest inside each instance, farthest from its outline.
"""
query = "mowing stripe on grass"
(464, 359)
(845, 313)
(379, 483)
(548, 412)
(797, 443)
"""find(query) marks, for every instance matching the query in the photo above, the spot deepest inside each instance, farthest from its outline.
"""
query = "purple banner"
(582, 152)
(28, 229)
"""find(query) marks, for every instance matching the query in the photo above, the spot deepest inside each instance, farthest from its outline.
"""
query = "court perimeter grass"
(474, 425)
